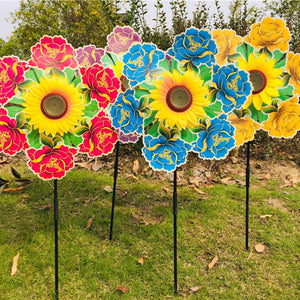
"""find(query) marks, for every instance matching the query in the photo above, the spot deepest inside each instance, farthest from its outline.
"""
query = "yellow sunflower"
(264, 78)
(179, 99)
(53, 105)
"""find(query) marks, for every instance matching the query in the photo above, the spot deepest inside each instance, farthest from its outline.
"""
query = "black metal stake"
(247, 195)
(56, 237)
(175, 230)
(114, 191)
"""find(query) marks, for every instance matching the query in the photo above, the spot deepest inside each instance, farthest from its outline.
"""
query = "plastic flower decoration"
(56, 107)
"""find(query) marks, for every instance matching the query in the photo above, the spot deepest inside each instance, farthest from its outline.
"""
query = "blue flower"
(194, 46)
(125, 114)
(140, 61)
(163, 154)
(216, 141)
(232, 85)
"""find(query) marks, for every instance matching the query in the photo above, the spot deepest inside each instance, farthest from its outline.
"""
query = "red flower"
(11, 74)
(12, 139)
(53, 52)
(51, 163)
(100, 138)
(102, 82)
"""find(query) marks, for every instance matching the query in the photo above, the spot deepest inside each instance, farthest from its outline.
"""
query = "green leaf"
(150, 119)
(57, 72)
(20, 118)
(234, 57)
(286, 93)
(92, 109)
(154, 129)
(87, 96)
(200, 127)
(269, 109)
(76, 81)
(13, 110)
(267, 52)
(214, 109)
(164, 131)
(34, 74)
(47, 141)
(280, 59)
(16, 100)
(80, 130)
(193, 67)
(75, 140)
(245, 49)
(143, 103)
(165, 64)
(188, 136)
(286, 78)
(67, 140)
(25, 84)
(205, 73)
(257, 115)
(70, 73)
(34, 139)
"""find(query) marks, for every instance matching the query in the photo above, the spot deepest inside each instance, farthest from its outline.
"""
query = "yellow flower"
(270, 33)
(293, 68)
(53, 105)
(264, 78)
(285, 122)
(179, 99)
(227, 41)
(245, 128)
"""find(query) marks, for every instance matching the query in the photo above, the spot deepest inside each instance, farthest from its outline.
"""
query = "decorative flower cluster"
(208, 93)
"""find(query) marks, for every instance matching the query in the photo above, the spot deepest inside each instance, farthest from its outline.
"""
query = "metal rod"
(175, 230)
(247, 195)
(114, 190)
(56, 237)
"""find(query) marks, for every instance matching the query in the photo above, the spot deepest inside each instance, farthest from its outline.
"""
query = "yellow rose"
(227, 41)
(285, 122)
(293, 68)
(270, 33)
(245, 128)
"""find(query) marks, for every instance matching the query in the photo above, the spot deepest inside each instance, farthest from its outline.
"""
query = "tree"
(81, 22)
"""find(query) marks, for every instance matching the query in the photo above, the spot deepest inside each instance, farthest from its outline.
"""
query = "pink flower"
(51, 163)
(53, 52)
(12, 139)
(11, 74)
(102, 82)
(121, 39)
(89, 55)
(100, 138)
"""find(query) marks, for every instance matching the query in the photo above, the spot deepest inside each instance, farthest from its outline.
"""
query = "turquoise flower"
(140, 61)
(216, 141)
(232, 85)
(125, 114)
(164, 154)
(194, 46)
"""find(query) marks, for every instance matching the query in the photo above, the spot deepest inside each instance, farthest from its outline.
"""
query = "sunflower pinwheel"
(55, 106)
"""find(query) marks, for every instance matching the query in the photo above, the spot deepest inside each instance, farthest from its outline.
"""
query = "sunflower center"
(54, 106)
(179, 98)
(258, 80)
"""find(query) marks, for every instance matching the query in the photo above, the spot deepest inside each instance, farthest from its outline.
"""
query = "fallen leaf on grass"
(15, 172)
(259, 248)
(89, 222)
(265, 216)
(108, 189)
(132, 176)
(228, 181)
(213, 262)
(122, 289)
(199, 191)
(141, 261)
(13, 190)
(84, 165)
(45, 207)
(194, 290)
(136, 166)
(168, 191)
(14, 267)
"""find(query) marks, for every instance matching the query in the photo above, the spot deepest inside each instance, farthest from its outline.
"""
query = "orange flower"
(270, 33)
(293, 68)
(245, 128)
(285, 122)
(227, 41)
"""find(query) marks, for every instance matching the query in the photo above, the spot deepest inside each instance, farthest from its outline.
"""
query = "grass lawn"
(211, 221)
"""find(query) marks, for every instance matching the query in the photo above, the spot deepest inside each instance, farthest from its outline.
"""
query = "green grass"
(91, 266)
